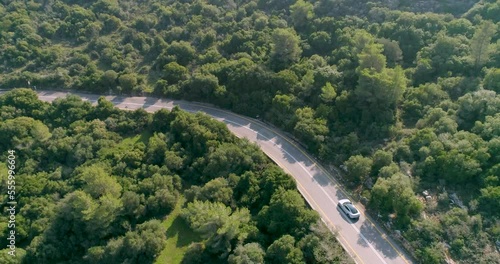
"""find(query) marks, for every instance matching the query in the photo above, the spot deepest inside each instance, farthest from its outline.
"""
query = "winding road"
(363, 239)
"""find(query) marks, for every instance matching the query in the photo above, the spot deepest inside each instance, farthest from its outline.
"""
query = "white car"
(349, 208)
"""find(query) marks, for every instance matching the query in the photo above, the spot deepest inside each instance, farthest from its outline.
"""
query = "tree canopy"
(383, 87)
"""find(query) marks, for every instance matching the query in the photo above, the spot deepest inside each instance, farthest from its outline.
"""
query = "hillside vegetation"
(93, 184)
(402, 94)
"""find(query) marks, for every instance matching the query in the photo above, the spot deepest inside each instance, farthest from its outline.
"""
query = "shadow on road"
(377, 241)
(321, 179)
(150, 101)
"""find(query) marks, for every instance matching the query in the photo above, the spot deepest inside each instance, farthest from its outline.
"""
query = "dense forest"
(85, 196)
(403, 95)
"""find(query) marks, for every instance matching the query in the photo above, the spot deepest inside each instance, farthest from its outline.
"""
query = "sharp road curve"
(364, 240)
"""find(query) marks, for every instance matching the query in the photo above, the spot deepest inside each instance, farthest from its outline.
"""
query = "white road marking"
(114, 100)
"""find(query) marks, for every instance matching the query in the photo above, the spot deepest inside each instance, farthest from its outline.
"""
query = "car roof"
(351, 208)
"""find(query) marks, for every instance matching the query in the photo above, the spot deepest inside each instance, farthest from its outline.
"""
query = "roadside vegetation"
(404, 95)
(94, 184)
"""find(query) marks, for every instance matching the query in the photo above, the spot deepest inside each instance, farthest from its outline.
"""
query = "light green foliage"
(345, 78)
(476, 106)
(93, 194)
(173, 72)
(22, 133)
(381, 159)
(251, 253)
(109, 79)
(286, 214)
(439, 120)
(459, 227)
(492, 80)
(457, 158)
(328, 93)
(285, 48)
(395, 195)
(371, 57)
(217, 223)
(231, 158)
(24, 101)
(282, 110)
(284, 250)
(488, 129)
(301, 13)
(358, 168)
(98, 183)
(392, 52)
(216, 190)
(203, 86)
(388, 171)
(362, 39)
(445, 55)
(308, 126)
(6, 258)
(321, 246)
(127, 82)
(480, 43)
(379, 89)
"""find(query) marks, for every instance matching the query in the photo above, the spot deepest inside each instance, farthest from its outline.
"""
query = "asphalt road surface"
(364, 240)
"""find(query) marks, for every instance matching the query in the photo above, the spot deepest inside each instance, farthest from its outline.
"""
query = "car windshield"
(351, 208)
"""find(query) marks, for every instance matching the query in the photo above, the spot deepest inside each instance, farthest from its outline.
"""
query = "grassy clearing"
(179, 237)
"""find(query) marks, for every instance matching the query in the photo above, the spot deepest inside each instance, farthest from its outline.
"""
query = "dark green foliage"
(488, 200)
(476, 106)
(89, 195)
(492, 80)
(445, 55)
(216, 190)
(358, 168)
(311, 128)
(138, 246)
(381, 159)
(217, 223)
(248, 253)
(254, 190)
(65, 111)
(417, 99)
(321, 246)
(345, 78)
(283, 250)
(285, 49)
(395, 195)
(286, 213)
(26, 103)
(22, 133)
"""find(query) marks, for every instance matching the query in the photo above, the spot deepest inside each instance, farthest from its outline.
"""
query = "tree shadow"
(322, 179)
(150, 101)
(185, 236)
(376, 240)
